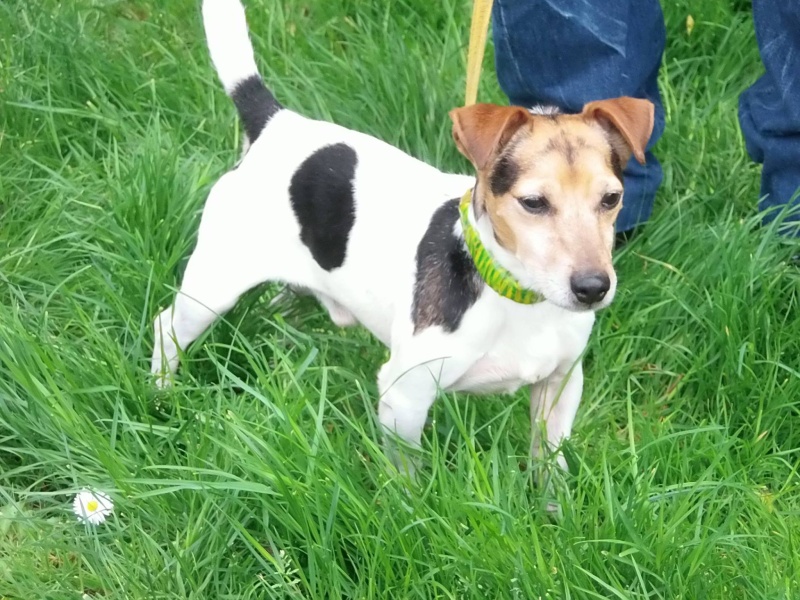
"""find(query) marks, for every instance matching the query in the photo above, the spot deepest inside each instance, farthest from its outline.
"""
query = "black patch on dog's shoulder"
(256, 105)
(447, 282)
(504, 175)
(321, 193)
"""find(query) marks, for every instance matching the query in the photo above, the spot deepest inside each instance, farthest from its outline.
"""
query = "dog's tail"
(232, 54)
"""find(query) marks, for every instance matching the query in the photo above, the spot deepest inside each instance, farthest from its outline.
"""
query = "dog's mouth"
(593, 307)
(581, 307)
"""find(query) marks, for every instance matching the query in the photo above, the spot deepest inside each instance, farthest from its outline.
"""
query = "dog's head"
(550, 188)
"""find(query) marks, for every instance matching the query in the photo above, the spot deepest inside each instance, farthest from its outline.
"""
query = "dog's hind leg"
(233, 255)
(210, 288)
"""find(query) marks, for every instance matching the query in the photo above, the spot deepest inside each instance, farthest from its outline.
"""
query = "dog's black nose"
(590, 287)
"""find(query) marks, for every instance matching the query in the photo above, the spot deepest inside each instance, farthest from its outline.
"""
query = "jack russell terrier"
(477, 283)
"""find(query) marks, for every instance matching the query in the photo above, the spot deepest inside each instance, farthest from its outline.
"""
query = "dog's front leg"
(408, 389)
(554, 404)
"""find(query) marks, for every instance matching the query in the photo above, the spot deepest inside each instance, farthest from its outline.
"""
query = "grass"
(259, 475)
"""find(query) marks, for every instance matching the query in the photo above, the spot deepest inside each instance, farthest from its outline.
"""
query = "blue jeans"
(569, 52)
(769, 110)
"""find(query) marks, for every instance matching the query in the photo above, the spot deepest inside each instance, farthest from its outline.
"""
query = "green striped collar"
(495, 276)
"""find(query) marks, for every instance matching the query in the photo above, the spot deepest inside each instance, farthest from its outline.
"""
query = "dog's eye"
(537, 205)
(611, 200)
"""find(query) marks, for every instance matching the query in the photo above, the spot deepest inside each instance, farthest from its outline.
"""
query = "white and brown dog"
(482, 295)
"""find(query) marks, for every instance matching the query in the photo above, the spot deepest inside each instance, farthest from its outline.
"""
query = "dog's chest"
(530, 346)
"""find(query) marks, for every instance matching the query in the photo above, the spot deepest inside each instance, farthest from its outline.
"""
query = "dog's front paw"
(163, 380)
(159, 371)
(403, 457)
(403, 461)
(542, 453)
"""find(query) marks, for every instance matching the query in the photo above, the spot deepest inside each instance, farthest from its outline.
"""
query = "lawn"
(260, 475)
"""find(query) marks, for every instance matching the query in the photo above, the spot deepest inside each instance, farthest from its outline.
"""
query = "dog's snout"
(590, 287)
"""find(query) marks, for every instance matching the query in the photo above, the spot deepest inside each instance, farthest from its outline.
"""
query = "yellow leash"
(481, 12)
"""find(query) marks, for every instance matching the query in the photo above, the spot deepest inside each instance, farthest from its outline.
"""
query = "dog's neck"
(498, 268)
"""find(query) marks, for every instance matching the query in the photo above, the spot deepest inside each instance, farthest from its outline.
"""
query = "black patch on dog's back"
(447, 282)
(256, 105)
(504, 175)
(321, 193)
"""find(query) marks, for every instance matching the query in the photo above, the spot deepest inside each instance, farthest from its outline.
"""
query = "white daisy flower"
(93, 507)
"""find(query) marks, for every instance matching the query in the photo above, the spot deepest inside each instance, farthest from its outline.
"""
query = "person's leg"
(569, 52)
(769, 111)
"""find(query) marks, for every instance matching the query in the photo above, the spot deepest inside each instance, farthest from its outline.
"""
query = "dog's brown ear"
(632, 118)
(482, 130)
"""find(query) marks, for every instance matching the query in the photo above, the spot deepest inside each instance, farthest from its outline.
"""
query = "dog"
(481, 283)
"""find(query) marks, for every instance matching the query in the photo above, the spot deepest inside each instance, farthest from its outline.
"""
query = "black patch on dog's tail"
(256, 105)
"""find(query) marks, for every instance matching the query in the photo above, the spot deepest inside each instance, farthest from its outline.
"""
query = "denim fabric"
(769, 111)
(569, 52)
